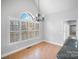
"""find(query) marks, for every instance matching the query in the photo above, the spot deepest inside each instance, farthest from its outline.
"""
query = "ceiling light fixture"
(39, 16)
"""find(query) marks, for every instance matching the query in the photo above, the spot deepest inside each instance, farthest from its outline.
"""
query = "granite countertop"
(69, 49)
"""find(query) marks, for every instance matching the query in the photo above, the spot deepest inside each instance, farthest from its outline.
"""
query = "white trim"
(6, 54)
(20, 36)
(20, 41)
(53, 42)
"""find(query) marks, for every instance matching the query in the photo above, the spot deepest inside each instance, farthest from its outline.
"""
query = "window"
(23, 29)
(73, 30)
(14, 31)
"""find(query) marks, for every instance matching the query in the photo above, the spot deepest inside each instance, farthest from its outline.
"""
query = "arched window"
(24, 16)
(23, 28)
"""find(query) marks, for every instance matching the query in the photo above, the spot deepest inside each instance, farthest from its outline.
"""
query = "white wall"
(54, 6)
(53, 28)
(13, 8)
(55, 23)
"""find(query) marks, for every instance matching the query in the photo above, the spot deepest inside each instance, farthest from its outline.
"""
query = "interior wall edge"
(6, 54)
(48, 41)
(51, 42)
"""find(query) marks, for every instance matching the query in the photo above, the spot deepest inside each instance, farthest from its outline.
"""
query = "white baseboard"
(53, 42)
(6, 54)
(17, 50)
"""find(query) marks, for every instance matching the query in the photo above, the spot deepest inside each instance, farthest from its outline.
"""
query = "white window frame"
(20, 40)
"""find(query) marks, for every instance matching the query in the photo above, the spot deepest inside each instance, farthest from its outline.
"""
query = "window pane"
(37, 26)
(73, 30)
(24, 26)
(30, 26)
(14, 25)
(14, 36)
(30, 34)
(36, 33)
(24, 35)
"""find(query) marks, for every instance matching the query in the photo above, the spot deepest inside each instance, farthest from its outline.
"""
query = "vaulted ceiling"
(53, 6)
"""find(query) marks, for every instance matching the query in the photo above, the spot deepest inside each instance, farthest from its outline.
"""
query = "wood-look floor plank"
(42, 50)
